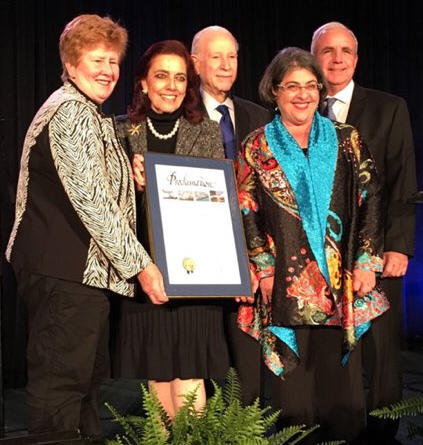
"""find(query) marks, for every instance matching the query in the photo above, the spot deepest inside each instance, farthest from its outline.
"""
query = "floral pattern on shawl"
(278, 246)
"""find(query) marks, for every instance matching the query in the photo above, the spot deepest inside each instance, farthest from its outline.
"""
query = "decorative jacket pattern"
(75, 210)
(280, 246)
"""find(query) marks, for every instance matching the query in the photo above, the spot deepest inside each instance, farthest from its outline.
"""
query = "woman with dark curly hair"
(312, 215)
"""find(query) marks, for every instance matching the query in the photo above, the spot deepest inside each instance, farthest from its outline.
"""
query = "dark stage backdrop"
(390, 33)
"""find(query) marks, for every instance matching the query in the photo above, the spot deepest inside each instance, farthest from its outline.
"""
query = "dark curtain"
(390, 33)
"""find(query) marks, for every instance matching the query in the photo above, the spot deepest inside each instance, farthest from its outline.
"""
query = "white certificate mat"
(195, 226)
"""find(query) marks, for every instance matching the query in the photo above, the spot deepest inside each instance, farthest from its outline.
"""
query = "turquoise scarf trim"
(360, 330)
(311, 177)
(287, 335)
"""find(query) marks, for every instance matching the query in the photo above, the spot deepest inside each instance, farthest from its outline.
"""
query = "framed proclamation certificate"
(195, 226)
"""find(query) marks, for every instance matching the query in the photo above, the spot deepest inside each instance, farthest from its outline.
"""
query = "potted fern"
(408, 407)
(223, 421)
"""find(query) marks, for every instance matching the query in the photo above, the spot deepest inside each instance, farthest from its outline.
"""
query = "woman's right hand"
(266, 288)
(138, 172)
(151, 281)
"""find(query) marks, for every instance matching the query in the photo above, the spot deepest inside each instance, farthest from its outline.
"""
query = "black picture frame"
(183, 193)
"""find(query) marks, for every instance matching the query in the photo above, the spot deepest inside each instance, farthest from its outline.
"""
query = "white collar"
(345, 94)
(211, 103)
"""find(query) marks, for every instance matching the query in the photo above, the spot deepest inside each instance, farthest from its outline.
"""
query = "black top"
(163, 124)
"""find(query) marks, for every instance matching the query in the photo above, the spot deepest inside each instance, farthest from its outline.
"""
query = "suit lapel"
(242, 122)
(204, 109)
(357, 105)
(187, 135)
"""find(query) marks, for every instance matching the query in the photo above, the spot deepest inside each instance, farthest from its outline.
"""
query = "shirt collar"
(345, 95)
(211, 103)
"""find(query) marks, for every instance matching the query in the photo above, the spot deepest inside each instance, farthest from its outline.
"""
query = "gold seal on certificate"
(188, 264)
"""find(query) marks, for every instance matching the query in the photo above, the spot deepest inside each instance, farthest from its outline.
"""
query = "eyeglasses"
(294, 87)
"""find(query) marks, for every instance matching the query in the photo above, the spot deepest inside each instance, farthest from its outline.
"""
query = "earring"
(144, 92)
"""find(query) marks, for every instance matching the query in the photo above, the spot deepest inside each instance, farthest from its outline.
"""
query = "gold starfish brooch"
(134, 129)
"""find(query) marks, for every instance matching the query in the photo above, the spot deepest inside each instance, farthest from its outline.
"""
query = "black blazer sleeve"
(383, 121)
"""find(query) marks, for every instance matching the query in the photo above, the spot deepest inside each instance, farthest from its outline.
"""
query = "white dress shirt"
(211, 104)
(342, 104)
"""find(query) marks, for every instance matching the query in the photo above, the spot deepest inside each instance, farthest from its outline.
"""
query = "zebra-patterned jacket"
(75, 205)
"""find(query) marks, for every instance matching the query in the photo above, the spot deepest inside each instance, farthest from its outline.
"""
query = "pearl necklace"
(162, 136)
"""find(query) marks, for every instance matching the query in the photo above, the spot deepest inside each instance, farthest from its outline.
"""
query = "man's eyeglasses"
(294, 87)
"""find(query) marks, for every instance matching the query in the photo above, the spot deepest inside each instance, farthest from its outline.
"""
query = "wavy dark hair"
(286, 60)
(140, 101)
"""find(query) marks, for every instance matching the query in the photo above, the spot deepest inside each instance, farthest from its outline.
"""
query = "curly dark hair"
(284, 61)
(140, 101)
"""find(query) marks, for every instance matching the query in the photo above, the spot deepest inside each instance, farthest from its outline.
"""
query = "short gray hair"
(196, 41)
(327, 27)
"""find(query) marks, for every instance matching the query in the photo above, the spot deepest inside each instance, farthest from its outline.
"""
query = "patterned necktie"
(228, 133)
(328, 108)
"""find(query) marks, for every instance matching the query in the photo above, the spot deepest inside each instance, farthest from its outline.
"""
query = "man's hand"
(152, 284)
(394, 264)
(363, 281)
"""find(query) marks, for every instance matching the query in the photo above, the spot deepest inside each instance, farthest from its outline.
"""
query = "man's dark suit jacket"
(388, 135)
(244, 351)
(248, 117)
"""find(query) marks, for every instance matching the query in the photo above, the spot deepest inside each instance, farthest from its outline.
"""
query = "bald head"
(209, 33)
(215, 55)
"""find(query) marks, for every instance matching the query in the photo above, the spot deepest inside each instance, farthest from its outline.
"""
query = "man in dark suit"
(215, 55)
(383, 121)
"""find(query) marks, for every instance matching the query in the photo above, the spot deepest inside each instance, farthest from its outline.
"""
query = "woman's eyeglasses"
(294, 87)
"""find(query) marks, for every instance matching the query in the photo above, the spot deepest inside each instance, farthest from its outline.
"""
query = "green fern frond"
(288, 433)
(276, 439)
(408, 407)
(137, 422)
(232, 391)
(270, 420)
(301, 433)
(156, 407)
(130, 433)
(223, 421)
(211, 418)
(181, 427)
(188, 426)
(157, 422)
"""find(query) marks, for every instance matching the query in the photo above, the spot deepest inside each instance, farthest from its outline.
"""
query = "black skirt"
(180, 339)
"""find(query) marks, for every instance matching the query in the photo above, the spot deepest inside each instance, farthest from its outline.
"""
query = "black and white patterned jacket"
(75, 207)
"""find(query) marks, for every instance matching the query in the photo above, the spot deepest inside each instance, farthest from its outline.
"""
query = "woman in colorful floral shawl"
(312, 214)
